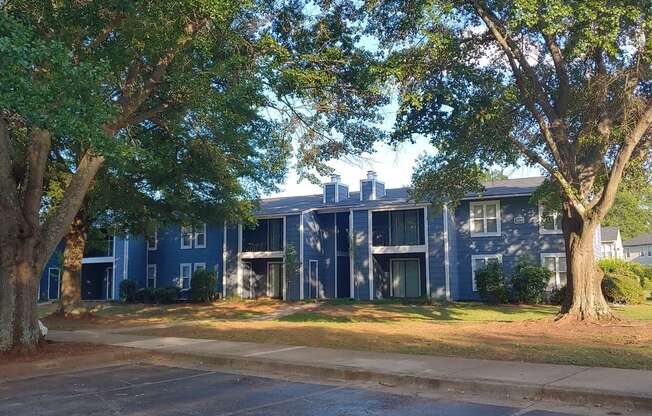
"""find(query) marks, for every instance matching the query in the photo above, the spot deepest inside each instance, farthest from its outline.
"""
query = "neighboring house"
(371, 244)
(612, 244)
(639, 249)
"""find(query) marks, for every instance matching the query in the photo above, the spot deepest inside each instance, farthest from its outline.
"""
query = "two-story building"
(370, 244)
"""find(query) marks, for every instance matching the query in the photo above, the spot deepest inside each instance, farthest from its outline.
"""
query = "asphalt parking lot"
(159, 390)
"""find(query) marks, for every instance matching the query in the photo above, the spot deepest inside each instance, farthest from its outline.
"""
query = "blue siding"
(453, 258)
(51, 292)
(436, 253)
(169, 255)
(380, 190)
(137, 265)
(343, 191)
(361, 255)
(515, 240)
(312, 250)
(231, 260)
(366, 190)
(292, 223)
(329, 193)
(327, 260)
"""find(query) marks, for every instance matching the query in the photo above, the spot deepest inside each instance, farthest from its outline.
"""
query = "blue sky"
(394, 167)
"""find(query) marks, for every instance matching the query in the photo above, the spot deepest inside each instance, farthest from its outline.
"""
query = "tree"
(564, 85)
(82, 79)
(632, 209)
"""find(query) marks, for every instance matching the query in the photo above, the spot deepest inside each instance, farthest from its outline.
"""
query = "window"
(185, 274)
(405, 228)
(267, 236)
(186, 237)
(549, 221)
(152, 242)
(200, 266)
(556, 263)
(479, 262)
(406, 278)
(151, 275)
(485, 218)
(200, 236)
(275, 235)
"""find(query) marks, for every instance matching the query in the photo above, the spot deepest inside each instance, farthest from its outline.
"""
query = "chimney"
(371, 188)
(335, 191)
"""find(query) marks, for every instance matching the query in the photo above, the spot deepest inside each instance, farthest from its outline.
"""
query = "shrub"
(165, 295)
(128, 290)
(529, 282)
(558, 295)
(203, 285)
(623, 287)
(146, 295)
(491, 285)
(617, 266)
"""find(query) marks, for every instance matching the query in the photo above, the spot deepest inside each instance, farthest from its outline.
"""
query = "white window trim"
(155, 247)
(475, 257)
(186, 230)
(556, 219)
(498, 219)
(391, 273)
(181, 266)
(151, 266)
(201, 232)
(197, 265)
(555, 256)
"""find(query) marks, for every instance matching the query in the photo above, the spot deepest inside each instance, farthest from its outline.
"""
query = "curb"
(537, 392)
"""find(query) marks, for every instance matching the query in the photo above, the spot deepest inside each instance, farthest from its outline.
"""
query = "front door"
(274, 280)
(406, 278)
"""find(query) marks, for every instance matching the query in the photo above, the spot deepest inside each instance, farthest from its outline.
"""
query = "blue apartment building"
(374, 243)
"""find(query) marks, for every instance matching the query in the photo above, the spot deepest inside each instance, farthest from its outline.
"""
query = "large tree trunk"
(584, 298)
(19, 277)
(73, 255)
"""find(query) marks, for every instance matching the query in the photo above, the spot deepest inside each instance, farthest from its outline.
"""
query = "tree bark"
(73, 254)
(584, 299)
(19, 277)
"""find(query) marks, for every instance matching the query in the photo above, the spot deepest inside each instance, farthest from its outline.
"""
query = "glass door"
(274, 278)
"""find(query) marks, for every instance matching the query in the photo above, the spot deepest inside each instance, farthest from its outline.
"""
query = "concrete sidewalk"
(566, 383)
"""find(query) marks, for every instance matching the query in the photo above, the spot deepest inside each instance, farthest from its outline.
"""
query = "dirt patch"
(53, 350)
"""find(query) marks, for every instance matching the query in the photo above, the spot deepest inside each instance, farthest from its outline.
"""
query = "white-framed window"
(556, 263)
(151, 275)
(200, 236)
(185, 274)
(485, 218)
(479, 262)
(152, 241)
(186, 237)
(549, 221)
(199, 266)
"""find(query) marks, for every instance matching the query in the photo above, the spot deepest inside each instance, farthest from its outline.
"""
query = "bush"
(642, 273)
(166, 295)
(558, 295)
(128, 290)
(622, 287)
(146, 295)
(490, 283)
(203, 285)
(529, 282)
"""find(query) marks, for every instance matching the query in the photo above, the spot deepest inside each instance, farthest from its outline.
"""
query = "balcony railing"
(99, 248)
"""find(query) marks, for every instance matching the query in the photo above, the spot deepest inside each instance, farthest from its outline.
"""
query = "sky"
(394, 167)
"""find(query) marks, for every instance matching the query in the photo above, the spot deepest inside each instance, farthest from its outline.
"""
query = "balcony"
(266, 240)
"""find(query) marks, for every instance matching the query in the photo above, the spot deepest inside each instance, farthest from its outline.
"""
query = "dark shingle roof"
(609, 233)
(395, 196)
(639, 240)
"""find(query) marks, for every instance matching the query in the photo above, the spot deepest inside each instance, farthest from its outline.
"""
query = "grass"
(505, 332)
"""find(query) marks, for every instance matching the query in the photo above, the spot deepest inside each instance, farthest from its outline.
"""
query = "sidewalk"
(566, 383)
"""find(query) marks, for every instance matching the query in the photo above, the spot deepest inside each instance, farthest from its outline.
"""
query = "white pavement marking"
(254, 354)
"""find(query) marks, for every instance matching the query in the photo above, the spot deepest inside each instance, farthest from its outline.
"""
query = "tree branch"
(37, 158)
(562, 74)
(57, 223)
(622, 159)
(8, 195)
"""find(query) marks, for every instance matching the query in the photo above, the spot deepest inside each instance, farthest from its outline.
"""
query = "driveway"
(145, 389)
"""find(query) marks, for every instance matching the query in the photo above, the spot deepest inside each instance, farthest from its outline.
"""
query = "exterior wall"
(639, 254)
(366, 190)
(436, 255)
(453, 258)
(382, 272)
(230, 261)
(343, 192)
(330, 190)
(326, 224)
(361, 254)
(515, 240)
(293, 238)
(49, 290)
(169, 255)
(312, 250)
